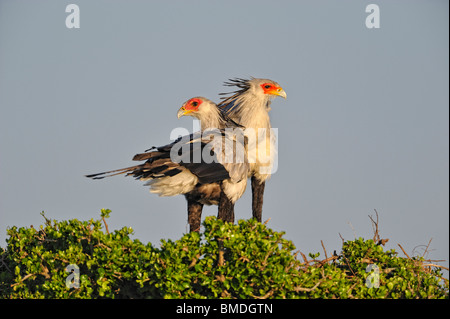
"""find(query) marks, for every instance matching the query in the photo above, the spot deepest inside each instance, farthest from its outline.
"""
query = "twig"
(267, 295)
(194, 261)
(435, 265)
(348, 265)
(304, 258)
(47, 221)
(300, 289)
(426, 248)
(323, 262)
(106, 225)
(376, 235)
(342, 238)
(403, 251)
(22, 280)
(324, 250)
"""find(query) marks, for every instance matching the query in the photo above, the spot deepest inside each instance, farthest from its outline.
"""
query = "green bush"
(247, 260)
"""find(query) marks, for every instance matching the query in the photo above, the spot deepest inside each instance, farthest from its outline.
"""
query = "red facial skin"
(193, 104)
(269, 88)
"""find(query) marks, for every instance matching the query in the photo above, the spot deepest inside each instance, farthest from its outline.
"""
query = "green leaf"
(105, 213)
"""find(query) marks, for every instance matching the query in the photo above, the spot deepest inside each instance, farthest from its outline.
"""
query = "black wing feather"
(158, 163)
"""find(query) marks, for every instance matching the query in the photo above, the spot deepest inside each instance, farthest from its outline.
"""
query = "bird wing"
(171, 159)
(229, 146)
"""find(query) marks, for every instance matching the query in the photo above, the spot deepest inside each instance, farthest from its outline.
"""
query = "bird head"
(196, 107)
(266, 87)
(273, 89)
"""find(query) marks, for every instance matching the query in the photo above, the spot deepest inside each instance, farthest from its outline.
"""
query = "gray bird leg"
(226, 208)
(194, 215)
(257, 198)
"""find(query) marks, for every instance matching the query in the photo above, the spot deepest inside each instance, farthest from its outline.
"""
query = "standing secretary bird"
(198, 165)
(249, 106)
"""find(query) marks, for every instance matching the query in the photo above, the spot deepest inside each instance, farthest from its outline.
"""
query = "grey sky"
(364, 127)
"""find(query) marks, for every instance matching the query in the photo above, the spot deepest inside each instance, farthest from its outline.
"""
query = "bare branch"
(403, 251)
(298, 289)
(376, 235)
(324, 250)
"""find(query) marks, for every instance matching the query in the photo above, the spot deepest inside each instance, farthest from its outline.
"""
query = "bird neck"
(211, 118)
(252, 111)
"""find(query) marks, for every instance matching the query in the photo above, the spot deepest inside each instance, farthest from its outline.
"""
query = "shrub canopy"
(246, 260)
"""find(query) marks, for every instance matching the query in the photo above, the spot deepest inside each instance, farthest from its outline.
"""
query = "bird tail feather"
(112, 173)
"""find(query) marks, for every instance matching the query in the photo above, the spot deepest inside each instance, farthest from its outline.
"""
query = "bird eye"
(267, 86)
(195, 103)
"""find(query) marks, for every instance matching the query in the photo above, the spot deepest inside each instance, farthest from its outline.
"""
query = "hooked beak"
(182, 111)
(280, 92)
